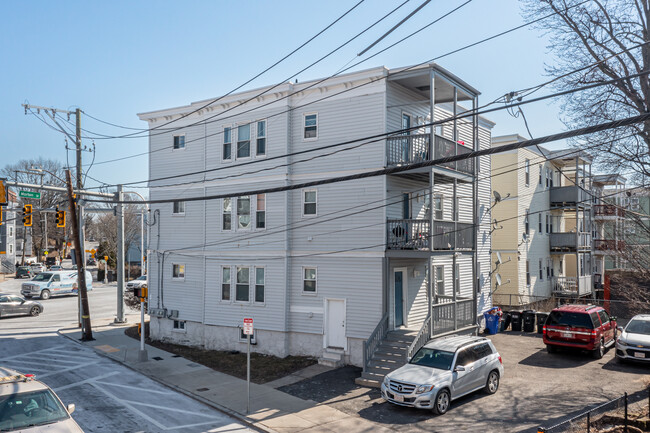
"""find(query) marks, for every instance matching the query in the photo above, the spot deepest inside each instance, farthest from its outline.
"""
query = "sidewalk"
(271, 410)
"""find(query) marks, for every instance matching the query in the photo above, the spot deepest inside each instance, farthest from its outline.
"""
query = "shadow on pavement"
(565, 358)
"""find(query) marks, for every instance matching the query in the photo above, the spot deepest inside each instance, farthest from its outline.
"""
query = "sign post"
(248, 331)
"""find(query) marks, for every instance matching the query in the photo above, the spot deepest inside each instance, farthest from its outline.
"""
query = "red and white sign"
(248, 326)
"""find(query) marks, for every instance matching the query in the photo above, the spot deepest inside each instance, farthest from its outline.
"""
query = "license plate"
(567, 334)
(639, 355)
(399, 398)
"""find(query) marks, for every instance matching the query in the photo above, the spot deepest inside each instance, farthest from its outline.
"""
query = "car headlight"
(621, 341)
(386, 380)
(424, 388)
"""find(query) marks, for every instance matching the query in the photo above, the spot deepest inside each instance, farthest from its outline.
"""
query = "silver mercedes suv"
(444, 370)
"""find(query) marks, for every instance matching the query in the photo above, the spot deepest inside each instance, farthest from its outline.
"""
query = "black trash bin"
(515, 320)
(528, 317)
(505, 320)
(541, 320)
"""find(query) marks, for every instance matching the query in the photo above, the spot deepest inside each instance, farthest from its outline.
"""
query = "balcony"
(572, 286)
(608, 211)
(567, 195)
(450, 316)
(410, 149)
(415, 234)
(604, 246)
(568, 241)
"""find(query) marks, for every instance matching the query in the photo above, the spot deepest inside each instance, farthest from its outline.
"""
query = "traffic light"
(27, 215)
(60, 217)
(3, 192)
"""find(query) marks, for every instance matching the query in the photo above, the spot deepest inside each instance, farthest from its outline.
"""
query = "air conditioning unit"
(157, 312)
(173, 314)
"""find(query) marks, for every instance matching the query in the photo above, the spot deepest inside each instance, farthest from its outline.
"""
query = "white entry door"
(335, 332)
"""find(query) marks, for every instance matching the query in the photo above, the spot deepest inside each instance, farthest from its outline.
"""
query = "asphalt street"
(108, 396)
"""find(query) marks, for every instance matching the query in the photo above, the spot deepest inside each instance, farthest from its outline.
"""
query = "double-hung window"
(225, 283)
(309, 202)
(227, 143)
(309, 280)
(457, 278)
(260, 216)
(541, 171)
(179, 142)
(311, 126)
(541, 270)
(548, 226)
(539, 222)
(549, 179)
(243, 281)
(437, 206)
(527, 272)
(244, 141)
(526, 223)
(549, 268)
(227, 214)
(179, 208)
(259, 285)
(178, 271)
(527, 171)
(261, 138)
(440, 280)
(243, 212)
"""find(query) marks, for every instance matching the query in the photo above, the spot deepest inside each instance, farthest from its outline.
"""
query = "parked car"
(50, 284)
(137, 283)
(37, 268)
(24, 271)
(13, 305)
(586, 327)
(55, 268)
(633, 342)
(444, 370)
(51, 261)
(28, 405)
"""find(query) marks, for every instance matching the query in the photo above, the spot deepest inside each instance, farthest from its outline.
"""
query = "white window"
(244, 141)
(539, 222)
(549, 269)
(439, 272)
(526, 223)
(309, 202)
(227, 214)
(261, 137)
(311, 126)
(11, 231)
(225, 283)
(259, 285)
(527, 171)
(179, 208)
(178, 271)
(527, 272)
(541, 170)
(11, 248)
(541, 270)
(227, 143)
(549, 179)
(179, 142)
(457, 278)
(260, 215)
(548, 226)
(309, 280)
(243, 283)
(437, 207)
(179, 324)
(244, 212)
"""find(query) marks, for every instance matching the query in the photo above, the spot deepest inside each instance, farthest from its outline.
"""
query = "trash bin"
(515, 321)
(505, 321)
(491, 323)
(541, 320)
(528, 317)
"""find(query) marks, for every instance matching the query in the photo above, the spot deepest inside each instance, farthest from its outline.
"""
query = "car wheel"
(599, 352)
(492, 383)
(35, 311)
(442, 402)
(45, 295)
(550, 348)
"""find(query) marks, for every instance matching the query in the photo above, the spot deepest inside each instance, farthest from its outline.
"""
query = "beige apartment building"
(542, 224)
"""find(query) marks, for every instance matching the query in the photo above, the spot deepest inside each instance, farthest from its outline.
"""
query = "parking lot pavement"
(537, 389)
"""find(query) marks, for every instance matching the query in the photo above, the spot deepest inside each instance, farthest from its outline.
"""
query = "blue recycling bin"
(491, 323)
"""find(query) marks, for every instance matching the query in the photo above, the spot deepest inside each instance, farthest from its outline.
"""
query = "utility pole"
(87, 333)
(141, 243)
(120, 256)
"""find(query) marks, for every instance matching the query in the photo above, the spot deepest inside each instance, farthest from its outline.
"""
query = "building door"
(401, 286)
(335, 336)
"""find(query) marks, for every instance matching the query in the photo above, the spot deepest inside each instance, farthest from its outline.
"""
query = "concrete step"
(390, 355)
(370, 383)
(372, 376)
(384, 363)
(395, 345)
(331, 357)
(381, 370)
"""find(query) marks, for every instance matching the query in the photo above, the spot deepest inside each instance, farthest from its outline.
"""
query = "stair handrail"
(423, 335)
(376, 337)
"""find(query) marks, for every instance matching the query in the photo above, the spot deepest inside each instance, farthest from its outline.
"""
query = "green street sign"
(29, 194)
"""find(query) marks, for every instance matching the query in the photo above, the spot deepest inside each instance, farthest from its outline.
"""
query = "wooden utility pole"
(86, 330)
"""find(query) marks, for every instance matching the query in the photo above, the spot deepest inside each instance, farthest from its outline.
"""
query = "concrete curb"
(198, 398)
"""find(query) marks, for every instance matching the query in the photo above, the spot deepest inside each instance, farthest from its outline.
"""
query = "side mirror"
(459, 368)
(620, 329)
(71, 408)
(408, 359)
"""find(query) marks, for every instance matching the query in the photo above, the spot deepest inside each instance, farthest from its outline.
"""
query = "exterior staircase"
(331, 357)
(389, 356)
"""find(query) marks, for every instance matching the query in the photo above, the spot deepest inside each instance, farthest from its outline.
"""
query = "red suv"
(585, 327)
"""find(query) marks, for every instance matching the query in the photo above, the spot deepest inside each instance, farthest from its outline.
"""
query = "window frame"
(258, 211)
(304, 126)
(527, 222)
(181, 326)
(306, 292)
(527, 273)
(539, 223)
(248, 300)
(541, 270)
(541, 170)
(457, 278)
(527, 172)
(250, 214)
(223, 274)
(263, 301)
(440, 268)
(259, 137)
(174, 270)
(179, 202)
(250, 134)
(224, 143)
(303, 192)
(224, 213)
(174, 142)
(441, 199)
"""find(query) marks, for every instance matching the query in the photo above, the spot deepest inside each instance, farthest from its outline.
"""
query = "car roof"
(577, 308)
(13, 382)
(641, 317)
(453, 343)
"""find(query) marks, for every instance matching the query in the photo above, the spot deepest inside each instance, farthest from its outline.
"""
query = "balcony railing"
(608, 245)
(451, 316)
(409, 149)
(568, 240)
(569, 194)
(452, 236)
(608, 210)
(414, 234)
(572, 286)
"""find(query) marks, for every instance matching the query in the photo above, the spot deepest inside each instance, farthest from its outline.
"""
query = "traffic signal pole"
(120, 256)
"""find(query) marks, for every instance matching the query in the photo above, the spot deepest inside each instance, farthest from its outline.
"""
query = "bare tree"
(593, 32)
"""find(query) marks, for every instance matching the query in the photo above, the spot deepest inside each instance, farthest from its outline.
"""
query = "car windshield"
(42, 277)
(142, 278)
(569, 318)
(26, 409)
(23, 268)
(638, 327)
(433, 358)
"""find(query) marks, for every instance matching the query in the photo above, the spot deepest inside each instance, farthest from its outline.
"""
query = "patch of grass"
(264, 368)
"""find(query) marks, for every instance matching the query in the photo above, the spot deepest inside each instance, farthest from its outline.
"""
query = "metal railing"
(6, 267)
(411, 234)
(448, 235)
(565, 285)
(375, 339)
(444, 147)
(568, 240)
(409, 149)
(608, 210)
(421, 338)
(452, 316)
(608, 245)
(569, 194)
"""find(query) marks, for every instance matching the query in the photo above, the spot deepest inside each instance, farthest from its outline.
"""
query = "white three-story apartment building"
(326, 270)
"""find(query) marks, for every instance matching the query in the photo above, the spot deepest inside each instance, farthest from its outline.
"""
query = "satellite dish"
(524, 237)
(497, 196)
(498, 278)
(499, 258)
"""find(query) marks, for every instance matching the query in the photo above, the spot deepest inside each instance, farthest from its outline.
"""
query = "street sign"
(46, 253)
(248, 326)
(29, 194)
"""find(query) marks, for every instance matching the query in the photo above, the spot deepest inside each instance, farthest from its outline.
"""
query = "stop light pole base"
(142, 356)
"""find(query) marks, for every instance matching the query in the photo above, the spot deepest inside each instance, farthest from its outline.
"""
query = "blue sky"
(115, 59)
